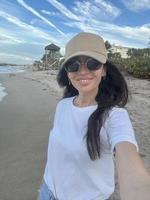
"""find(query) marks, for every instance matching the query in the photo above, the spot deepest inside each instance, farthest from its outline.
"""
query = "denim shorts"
(45, 193)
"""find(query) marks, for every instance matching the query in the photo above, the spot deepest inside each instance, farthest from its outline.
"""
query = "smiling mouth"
(84, 81)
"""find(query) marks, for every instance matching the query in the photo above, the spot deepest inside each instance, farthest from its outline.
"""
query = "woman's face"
(86, 81)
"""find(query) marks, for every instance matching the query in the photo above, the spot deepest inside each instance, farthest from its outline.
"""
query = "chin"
(86, 90)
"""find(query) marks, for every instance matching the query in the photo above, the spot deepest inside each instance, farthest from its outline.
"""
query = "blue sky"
(27, 26)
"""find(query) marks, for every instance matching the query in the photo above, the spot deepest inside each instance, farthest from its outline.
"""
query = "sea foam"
(8, 70)
(2, 92)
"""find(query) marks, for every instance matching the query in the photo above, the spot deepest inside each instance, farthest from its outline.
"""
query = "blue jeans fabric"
(45, 193)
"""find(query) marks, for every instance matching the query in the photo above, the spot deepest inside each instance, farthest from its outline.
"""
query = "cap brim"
(100, 57)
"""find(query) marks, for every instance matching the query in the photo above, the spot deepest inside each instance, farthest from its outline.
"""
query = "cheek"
(71, 76)
(98, 81)
(71, 79)
(99, 74)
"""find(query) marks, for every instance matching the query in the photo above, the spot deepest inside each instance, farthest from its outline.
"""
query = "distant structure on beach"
(50, 59)
(51, 56)
(119, 49)
(52, 50)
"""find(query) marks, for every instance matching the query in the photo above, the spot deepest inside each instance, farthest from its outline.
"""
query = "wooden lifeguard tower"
(51, 52)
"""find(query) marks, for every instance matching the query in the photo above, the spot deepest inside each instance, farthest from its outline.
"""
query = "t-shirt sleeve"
(119, 128)
(57, 112)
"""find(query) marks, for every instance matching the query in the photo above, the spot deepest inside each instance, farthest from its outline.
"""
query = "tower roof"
(52, 47)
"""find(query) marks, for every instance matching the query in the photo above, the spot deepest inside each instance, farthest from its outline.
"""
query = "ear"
(68, 75)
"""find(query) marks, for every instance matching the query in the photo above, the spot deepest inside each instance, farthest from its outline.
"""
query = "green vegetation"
(137, 64)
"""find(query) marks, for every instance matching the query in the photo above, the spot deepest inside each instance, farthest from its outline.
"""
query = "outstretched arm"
(134, 178)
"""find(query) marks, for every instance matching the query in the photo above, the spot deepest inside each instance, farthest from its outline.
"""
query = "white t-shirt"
(70, 173)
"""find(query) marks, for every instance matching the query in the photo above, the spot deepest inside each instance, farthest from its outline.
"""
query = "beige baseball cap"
(86, 44)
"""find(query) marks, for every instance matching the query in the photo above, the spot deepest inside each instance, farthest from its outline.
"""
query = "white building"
(119, 49)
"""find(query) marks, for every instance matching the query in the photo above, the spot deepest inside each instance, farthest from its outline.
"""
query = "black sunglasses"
(73, 65)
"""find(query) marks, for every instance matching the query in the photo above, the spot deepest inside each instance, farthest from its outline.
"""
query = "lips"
(84, 78)
(84, 81)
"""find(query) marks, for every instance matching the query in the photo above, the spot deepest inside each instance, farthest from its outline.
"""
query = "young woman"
(91, 130)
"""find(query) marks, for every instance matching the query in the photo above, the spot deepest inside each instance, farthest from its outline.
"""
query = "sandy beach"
(26, 115)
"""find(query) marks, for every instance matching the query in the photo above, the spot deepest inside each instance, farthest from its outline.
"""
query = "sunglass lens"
(72, 66)
(93, 64)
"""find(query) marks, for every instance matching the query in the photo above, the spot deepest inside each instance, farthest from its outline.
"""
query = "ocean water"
(8, 70)
(11, 69)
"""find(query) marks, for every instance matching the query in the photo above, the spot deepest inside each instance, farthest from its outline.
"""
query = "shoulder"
(118, 117)
(119, 114)
(65, 102)
(117, 110)
(61, 107)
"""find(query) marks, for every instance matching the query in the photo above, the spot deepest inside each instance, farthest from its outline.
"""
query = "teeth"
(84, 81)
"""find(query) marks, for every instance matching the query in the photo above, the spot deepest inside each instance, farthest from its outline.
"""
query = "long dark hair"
(113, 91)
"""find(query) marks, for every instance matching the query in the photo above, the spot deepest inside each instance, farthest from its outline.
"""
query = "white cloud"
(97, 9)
(66, 12)
(10, 37)
(88, 20)
(108, 7)
(83, 10)
(112, 32)
(38, 22)
(12, 7)
(87, 15)
(29, 8)
(52, 13)
(137, 5)
(14, 57)
(34, 21)
(31, 29)
(5, 38)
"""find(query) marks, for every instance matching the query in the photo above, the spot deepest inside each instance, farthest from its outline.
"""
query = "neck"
(84, 100)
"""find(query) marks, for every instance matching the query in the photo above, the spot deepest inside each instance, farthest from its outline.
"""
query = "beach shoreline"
(26, 116)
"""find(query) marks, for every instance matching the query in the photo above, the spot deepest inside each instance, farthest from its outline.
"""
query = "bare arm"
(134, 178)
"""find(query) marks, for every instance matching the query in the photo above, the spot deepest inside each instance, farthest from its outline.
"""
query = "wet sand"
(26, 115)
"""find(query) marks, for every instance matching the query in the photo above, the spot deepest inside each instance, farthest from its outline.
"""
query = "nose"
(83, 69)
